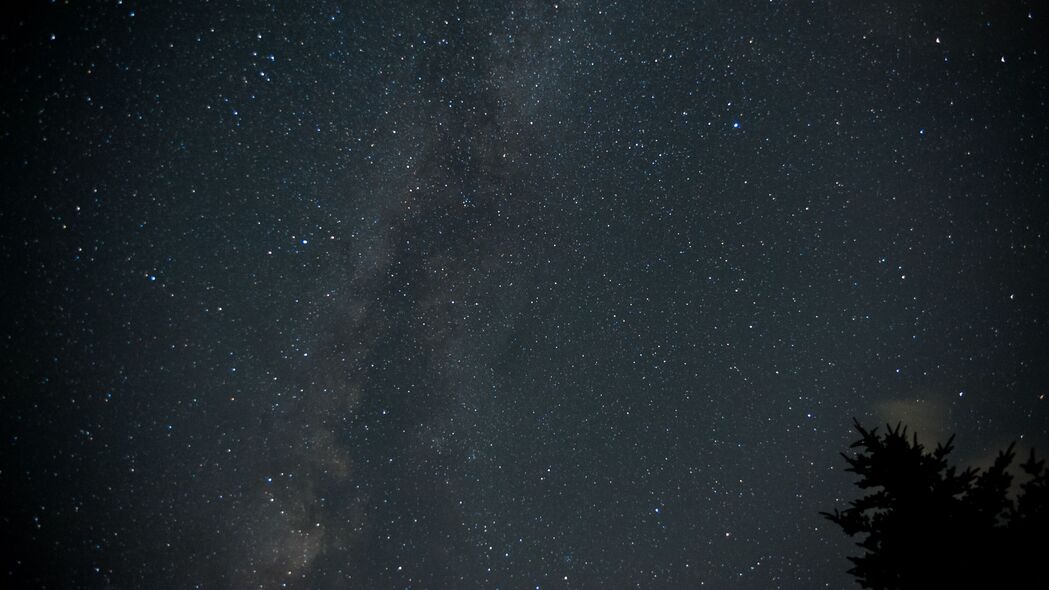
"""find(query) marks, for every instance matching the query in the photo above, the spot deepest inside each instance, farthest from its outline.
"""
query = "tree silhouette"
(929, 525)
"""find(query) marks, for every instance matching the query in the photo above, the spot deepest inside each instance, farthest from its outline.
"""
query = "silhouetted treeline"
(925, 524)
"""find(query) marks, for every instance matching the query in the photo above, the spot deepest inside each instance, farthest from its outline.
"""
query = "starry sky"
(572, 294)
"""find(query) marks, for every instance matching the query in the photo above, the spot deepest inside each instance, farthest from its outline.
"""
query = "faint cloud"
(927, 418)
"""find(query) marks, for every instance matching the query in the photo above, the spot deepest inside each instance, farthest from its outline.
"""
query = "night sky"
(580, 294)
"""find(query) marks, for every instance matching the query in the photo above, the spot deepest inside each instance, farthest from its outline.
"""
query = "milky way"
(503, 295)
